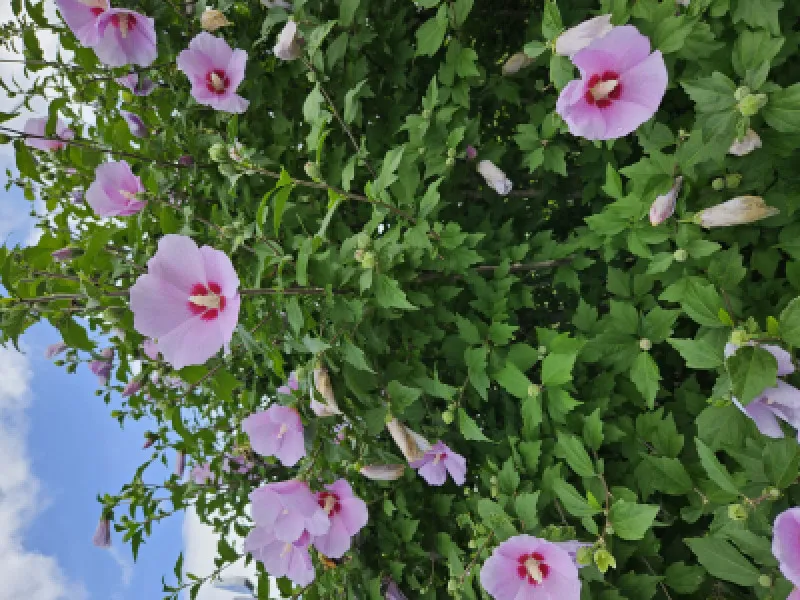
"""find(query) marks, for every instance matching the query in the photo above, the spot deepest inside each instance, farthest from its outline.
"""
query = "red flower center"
(602, 90)
(97, 11)
(207, 301)
(532, 568)
(329, 502)
(217, 81)
(124, 23)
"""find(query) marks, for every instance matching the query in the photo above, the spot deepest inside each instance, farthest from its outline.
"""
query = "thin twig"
(652, 572)
(475, 558)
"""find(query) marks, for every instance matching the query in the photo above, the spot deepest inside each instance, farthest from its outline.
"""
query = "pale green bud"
(645, 344)
(447, 417)
(751, 104)
(718, 184)
(765, 581)
(218, 152)
(737, 512)
(733, 180)
(680, 255)
(739, 337)
(604, 560)
(584, 555)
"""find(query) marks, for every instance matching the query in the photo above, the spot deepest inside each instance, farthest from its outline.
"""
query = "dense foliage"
(570, 350)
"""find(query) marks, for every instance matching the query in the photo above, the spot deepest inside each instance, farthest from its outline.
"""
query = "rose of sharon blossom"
(575, 39)
(779, 402)
(621, 86)
(135, 124)
(323, 386)
(215, 71)
(102, 535)
(38, 127)
(292, 385)
(736, 211)
(745, 145)
(133, 387)
(114, 189)
(281, 559)
(81, 17)
(277, 431)
(143, 86)
(526, 567)
(494, 177)
(102, 367)
(150, 349)
(188, 301)
(437, 462)
(786, 544)
(180, 463)
(795, 595)
(290, 42)
(125, 37)
(664, 206)
(287, 509)
(347, 513)
(516, 63)
(54, 350)
(383, 472)
(201, 474)
(411, 444)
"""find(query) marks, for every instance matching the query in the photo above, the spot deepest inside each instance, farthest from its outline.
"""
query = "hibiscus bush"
(437, 298)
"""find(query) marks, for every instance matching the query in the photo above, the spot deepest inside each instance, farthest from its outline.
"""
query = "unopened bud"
(313, 171)
(447, 417)
(368, 260)
(186, 160)
(359, 254)
(739, 337)
(211, 20)
(426, 114)
(733, 180)
(645, 344)
(604, 560)
(534, 390)
(774, 493)
(680, 255)
(65, 254)
(765, 581)
(751, 104)
(217, 152)
(584, 555)
(740, 93)
(718, 184)
(149, 439)
(737, 512)
(472, 154)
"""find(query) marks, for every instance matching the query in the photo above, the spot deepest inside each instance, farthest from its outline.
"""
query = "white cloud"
(200, 549)
(23, 573)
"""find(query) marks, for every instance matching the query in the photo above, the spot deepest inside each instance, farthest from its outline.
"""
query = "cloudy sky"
(59, 448)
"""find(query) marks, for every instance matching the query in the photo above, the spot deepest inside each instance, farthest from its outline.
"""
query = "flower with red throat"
(528, 567)
(215, 71)
(287, 509)
(125, 38)
(113, 192)
(143, 86)
(621, 86)
(81, 17)
(786, 543)
(188, 301)
(38, 126)
(277, 431)
(437, 462)
(281, 559)
(348, 515)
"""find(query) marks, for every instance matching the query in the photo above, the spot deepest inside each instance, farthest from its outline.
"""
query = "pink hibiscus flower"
(81, 17)
(150, 349)
(102, 535)
(54, 350)
(139, 87)
(113, 191)
(287, 509)
(201, 474)
(38, 127)
(125, 37)
(188, 301)
(135, 124)
(437, 462)
(277, 431)
(102, 366)
(292, 385)
(348, 515)
(786, 543)
(621, 86)
(281, 559)
(528, 567)
(215, 71)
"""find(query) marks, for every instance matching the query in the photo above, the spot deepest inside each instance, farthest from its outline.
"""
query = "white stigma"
(206, 300)
(603, 89)
(123, 25)
(286, 549)
(217, 82)
(127, 195)
(282, 431)
(534, 570)
(437, 459)
(330, 502)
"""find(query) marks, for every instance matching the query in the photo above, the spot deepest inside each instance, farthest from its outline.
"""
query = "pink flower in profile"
(437, 462)
(81, 17)
(215, 71)
(132, 388)
(54, 350)
(114, 189)
(150, 348)
(188, 301)
(125, 37)
(64, 254)
(786, 543)
(38, 127)
(281, 559)
(201, 474)
(143, 86)
(348, 515)
(287, 509)
(135, 124)
(528, 567)
(277, 431)
(621, 86)
(383, 472)
(102, 367)
(291, 385)
(290, 42)
(102, 535)
(664, 206)
(180, 463)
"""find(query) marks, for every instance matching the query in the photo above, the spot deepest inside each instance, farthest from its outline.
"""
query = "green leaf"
(699, 353)
(279, 206)
(645, 376)
(551, 21)
(758, 14)
(431, 34)
(496, 519)
(469, 429)
(557, 369)
(347, 9)
(715, 469)
(631, 521)
(669, 475)
(782, 111)
(389, 167)
(73, 335)
(702, 303)
(781, 461)
(401, 396)
(573, 502)
(575, 454)
(355, 356)
(476, 360)
(711, 94)
(525, 507)
(593, 430)
(790, 323)
(430, 199)
(684, 579)
(508, 478)
(513, 380)
(389, 295)
(723, 561)
(752, 370)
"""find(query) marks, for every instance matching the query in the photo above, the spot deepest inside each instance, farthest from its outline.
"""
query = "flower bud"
(322, 384)
(102, 535)
(733, 180)
(765, 581)
(186, 160)
(235, 152)
(584, 555)
(382, 472)
(739, 337)
(680, 255)
(718, 184)
(472, 154)
(737, 211)
(751, 104)
(149, 439)
(368, 259)
(180, 464)
(290, 42)
(135, 124)
(517, 62)
(745, 145)
(577, 38)
(132, 388)
(741, 93)
(534, 390)
(447, 417)
(450, 162)
(76, 196)
(312, 170)
(645, 344)
(64, 254)
(217, 152)
(54, 350)
(411, 444)
(604, 560)
(774, 493)
(211, 20)
(426, 114)
(737, 512)
(664, 206)
(494, 177)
